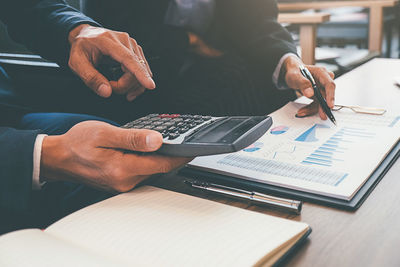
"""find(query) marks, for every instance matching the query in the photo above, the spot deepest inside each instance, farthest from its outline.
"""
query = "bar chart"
(334, 148)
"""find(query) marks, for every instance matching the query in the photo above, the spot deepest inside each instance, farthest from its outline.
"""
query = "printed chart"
(311, 134)
(305, 173)
(279, 130)
(336, 146)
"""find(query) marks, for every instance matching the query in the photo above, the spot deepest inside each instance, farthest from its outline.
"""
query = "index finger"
(325, 80)
(130, 61)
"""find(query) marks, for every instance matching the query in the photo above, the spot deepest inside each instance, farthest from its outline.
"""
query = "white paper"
(312, 155)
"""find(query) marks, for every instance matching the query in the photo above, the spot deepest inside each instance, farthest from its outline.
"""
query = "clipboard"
(351, 205)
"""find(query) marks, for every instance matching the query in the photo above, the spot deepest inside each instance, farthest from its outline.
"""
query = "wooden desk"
(308, 31)
(369, 236)
(375, 19)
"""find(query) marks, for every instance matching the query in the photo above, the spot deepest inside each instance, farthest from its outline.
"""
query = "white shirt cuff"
(37, 154)
(281, 85)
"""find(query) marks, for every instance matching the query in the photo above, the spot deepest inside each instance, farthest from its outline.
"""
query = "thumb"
(136, 140)
(90, 76)
(97, 82)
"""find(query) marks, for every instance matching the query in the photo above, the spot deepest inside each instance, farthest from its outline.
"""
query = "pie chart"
(279, 130)
(254, 147)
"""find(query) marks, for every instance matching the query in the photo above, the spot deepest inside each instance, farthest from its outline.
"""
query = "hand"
(89, 44)
(92, 153)
(295, 80)
(198, 46)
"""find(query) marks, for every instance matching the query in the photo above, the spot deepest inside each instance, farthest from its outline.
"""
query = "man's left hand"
(324, 79)
(89, 44)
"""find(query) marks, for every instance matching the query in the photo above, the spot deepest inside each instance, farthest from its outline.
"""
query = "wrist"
(52, 156)
(76, 31)
(291, 62)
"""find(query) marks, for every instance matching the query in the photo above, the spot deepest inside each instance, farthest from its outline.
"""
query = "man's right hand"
(94, 153)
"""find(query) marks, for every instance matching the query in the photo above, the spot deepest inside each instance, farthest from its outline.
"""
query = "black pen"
(289, 205)
(306, 73)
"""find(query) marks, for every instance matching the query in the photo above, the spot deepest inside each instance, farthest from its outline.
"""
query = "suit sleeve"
(252, 27)
(43, 25)
(16, 167)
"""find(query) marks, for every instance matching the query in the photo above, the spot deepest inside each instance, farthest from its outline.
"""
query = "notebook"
(311, 155)
(155, 227)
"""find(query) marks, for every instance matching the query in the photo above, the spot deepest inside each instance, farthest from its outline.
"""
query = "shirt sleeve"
(37, 154)
(277, 77)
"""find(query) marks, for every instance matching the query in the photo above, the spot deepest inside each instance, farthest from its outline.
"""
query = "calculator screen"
(226, 132)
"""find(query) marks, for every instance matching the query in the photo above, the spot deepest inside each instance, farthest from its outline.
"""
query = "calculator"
(197, 135)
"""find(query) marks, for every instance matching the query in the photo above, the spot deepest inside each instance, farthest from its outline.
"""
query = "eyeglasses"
(364, 110)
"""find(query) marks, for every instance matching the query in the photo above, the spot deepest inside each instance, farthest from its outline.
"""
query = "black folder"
(352, 204)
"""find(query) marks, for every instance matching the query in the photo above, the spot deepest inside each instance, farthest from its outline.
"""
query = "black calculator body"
(197, 135)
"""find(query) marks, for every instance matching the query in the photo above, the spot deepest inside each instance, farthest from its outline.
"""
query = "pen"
(289, 205)
(306, 73)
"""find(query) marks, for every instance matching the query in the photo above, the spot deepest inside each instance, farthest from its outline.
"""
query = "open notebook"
(155, 227)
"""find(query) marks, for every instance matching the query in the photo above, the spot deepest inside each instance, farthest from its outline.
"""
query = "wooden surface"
(333, 4)
(303, 18)
(369, 236)
(375, 32)
(308, 31)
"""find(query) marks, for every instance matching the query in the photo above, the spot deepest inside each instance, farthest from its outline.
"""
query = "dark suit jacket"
(246, 27)
(42, 26)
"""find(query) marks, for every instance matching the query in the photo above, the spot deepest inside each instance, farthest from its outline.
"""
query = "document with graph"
(312, 155)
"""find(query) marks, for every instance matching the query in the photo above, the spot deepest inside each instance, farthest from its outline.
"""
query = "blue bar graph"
(289, 170)
(331, 150)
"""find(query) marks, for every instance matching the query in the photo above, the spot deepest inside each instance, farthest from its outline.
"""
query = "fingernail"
(153, 83)
(103, 90)
(308, 92)
(153, 140)
(300, 115)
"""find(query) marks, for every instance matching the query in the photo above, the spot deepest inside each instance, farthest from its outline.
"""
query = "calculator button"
(183, 130)
(157, 123)
(177, 119)
(129, 125)
(198, 121)
(160, 128)
(165, 134)
(173, 136)
(148, 127)
(180, 124)
(138, 126)
(197, 117)
(172, 129)
(169, 123)
(152, 115)
(192, 125)
(145, 122)
(206, 118)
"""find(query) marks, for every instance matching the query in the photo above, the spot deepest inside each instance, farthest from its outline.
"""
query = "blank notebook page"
(151, 226)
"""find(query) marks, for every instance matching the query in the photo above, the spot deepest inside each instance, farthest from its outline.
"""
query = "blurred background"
(339, 35)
